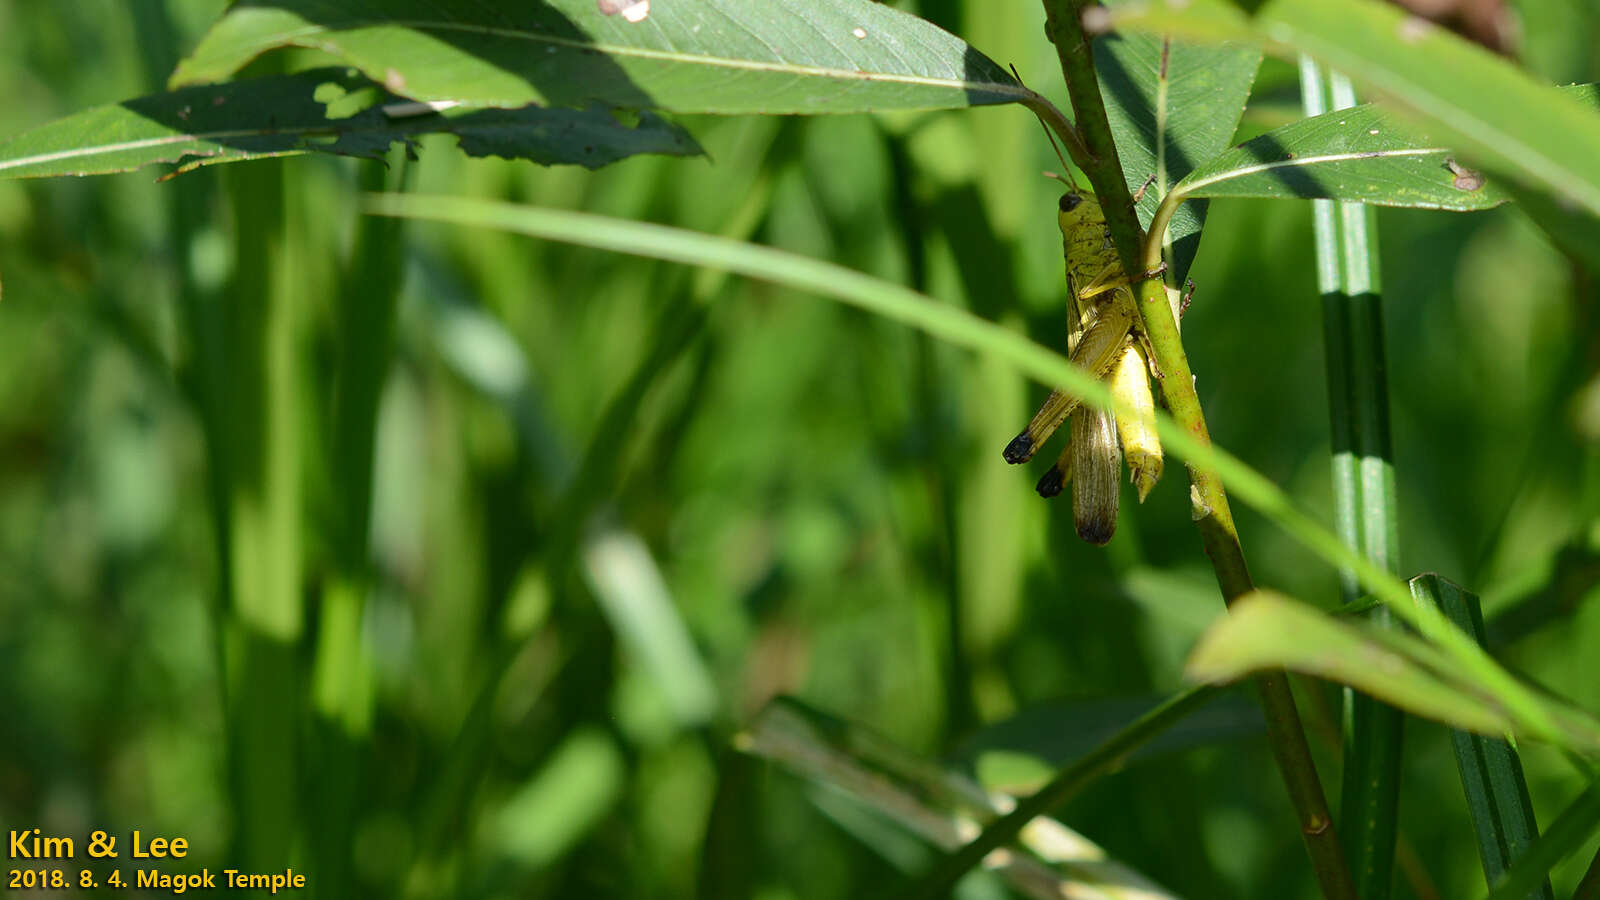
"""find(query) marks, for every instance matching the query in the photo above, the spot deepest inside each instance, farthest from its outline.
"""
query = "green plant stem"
(943, 876)
(1364, 496)
(1064, 25)
(1100, 163)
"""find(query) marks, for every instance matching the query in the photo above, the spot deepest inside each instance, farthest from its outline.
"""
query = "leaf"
(1483, 105)
(710, 56)
(1268, 631)
(1570, 831)
(1574, 231)
(1364, 154)
(1460, 94)
(290, 114)
(1172, 105)
(1360, 154)
(633, 595)
(940, 805)
(1020, 753)
(1491, 771)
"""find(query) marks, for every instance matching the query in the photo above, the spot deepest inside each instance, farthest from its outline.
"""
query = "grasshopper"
(1104, 338)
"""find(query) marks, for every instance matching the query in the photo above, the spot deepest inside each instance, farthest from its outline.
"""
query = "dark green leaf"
(1570, 831)
(713, 56)
(1172, 105)
(1016, 755)
(1364, 154)
(1491, 770)
(1575, 231)
(1360, 155)
(294, 114)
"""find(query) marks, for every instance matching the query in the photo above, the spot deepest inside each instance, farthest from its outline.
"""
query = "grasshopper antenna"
(1066, 167)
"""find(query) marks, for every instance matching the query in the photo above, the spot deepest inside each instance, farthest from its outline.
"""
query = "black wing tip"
(1020, 450)
(1051, 484)
(1097, 533)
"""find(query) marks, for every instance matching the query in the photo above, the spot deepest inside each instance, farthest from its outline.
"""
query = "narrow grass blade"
(1589, 887)
(1491, 770)
(1268, 630)
(1067, 783)
(1364, 494)
(633, 595)
(1022, 753)
(945, 807)
(1539, 716)
(260, 454)
(1571, 830)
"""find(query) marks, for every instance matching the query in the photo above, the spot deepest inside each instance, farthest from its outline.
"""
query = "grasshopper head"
(1078, 210)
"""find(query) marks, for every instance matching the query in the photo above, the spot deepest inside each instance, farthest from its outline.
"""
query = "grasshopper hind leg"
(1044, 423)
(1056, 478)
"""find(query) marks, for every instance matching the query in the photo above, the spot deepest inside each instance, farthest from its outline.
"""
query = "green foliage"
(718, 56)
(1172, 106)
(436, 561)
(224, 123)
(1491, 769)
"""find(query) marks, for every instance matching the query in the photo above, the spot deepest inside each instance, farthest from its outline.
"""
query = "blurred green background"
(617, 506)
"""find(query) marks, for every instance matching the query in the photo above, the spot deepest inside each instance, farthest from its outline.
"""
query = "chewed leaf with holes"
(709, 56)
(334, 111)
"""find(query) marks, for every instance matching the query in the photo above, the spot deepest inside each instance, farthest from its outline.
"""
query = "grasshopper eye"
(1069, 202)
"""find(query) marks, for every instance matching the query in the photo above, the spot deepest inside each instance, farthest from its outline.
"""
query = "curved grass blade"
(1172, 105)
(709, 56)
(1268, 631)
(1539, 717)
(288, 115)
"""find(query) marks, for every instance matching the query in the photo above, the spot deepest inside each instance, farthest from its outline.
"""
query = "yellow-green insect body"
(1104, 339)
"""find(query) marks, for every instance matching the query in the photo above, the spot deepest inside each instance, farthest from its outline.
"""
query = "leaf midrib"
(1555, 174)
(190, 137)
(1302, 162)
(310, 33)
